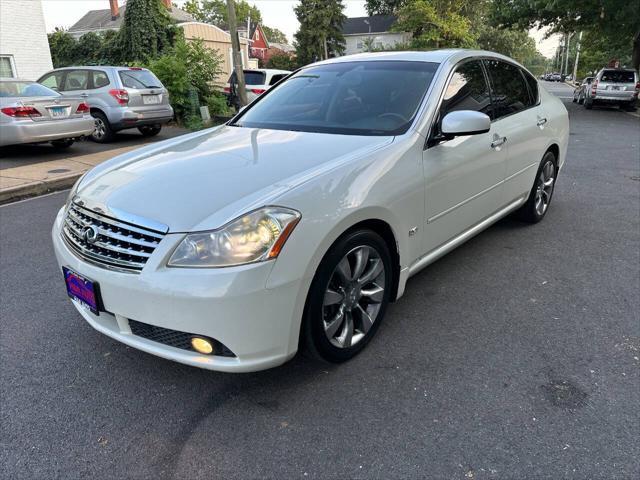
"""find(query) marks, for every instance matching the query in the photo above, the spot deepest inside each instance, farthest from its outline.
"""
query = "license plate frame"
(83, 290)
(151, 99)
(58, 112)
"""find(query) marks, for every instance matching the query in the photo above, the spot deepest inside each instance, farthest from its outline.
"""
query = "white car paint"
(432, 199)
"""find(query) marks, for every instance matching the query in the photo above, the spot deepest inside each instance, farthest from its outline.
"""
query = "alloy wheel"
(353, 297)
(544, 187)
(100, 129)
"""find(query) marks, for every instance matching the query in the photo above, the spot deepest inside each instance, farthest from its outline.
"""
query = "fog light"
(202, 345)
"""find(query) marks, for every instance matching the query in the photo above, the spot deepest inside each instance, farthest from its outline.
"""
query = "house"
(100, 21)
(219, 40)
(24, 48)
(359, 32)
(260, 47)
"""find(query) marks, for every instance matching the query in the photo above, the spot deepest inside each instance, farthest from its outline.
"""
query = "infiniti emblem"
(90, 234)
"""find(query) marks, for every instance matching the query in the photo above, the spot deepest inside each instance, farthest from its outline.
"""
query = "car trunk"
(146, 92)
(617, 82)
(58, 108)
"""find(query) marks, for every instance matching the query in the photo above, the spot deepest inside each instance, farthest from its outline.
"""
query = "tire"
(629, 106)
(150, 130)
(574, 99)
(62, 144)
(533, 211)
(333, 295)
(103, 132)
(580, 100)
(588, 103)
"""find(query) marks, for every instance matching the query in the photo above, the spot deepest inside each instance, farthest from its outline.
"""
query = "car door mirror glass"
(465, 122)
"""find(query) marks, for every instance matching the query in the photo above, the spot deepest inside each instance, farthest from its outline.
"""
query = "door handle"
(541, 121)
(498, 141)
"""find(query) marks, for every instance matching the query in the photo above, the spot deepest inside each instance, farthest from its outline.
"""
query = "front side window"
(509, 91)
(350, 98)
(467, 90)
(276, 78)
(76, 80)
(533, 87)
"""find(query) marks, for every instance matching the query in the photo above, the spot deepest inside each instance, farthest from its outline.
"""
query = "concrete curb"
(37, 188)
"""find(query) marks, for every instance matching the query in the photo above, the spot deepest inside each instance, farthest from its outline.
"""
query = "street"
(514, 356)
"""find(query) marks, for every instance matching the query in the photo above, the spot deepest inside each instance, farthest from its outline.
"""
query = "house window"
(7, 66)
(359, 45)
(257, 34)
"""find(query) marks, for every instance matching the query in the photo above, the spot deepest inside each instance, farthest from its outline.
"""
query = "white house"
(376, 30)
(24, 48)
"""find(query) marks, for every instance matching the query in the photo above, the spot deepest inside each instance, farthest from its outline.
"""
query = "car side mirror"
(465, 122)
(577, 84)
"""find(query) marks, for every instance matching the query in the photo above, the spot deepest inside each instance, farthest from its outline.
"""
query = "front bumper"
(231, 305)
(29, 131)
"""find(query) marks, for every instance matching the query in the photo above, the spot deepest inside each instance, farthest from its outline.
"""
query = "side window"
(76, 80)
(100, 79)
(53, 80)
(276, 78)
(533, 88)
(467, 90)
(508, 89)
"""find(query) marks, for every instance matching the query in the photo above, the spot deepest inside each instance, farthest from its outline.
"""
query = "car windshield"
(25, 89)
(618, 76)
(351, 98)
(134, 78)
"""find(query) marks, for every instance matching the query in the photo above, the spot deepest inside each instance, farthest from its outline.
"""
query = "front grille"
(174, 338)
(115, 244)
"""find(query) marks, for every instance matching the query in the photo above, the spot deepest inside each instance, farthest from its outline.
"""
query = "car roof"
(435, 56)
(96, 67)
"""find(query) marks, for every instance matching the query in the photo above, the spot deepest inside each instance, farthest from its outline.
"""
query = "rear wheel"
(588, 103)
(150, 130)
(62, 144)
(541, 193)
(348, 297)
(580, 99)
(103, 132)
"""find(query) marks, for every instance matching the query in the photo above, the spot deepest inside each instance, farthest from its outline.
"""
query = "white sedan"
(296, 223)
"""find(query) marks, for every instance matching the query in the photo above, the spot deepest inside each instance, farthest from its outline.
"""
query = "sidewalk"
(49, 176)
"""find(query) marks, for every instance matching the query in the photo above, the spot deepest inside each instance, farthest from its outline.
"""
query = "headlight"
(254, 237)
(73, 190)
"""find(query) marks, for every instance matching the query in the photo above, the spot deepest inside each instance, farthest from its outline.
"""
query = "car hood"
(201, 181)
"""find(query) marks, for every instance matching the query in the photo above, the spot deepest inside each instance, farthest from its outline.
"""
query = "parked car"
(296, 223)
(119, 97)
(613, 86)
(32, 113)
(579, 93)
(257, 82)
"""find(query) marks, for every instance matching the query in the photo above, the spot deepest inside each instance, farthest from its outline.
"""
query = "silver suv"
(613, 86)
(119, 97)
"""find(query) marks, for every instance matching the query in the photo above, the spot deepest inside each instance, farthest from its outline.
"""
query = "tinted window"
(25, 89)
(467, 90)
(53, 80)
(353, 98)
(509, 92)
(276, 78)
(76, 80)
(139, 78)
(533, 87)
(100, 79)
(617, 76)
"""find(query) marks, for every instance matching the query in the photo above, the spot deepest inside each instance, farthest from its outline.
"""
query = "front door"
(464, 175)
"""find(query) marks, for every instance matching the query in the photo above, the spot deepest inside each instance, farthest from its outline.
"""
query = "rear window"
(25, 89)
(251, 77)
(617, 76)
(139, 79)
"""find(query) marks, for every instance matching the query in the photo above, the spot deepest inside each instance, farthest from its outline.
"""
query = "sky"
(275, 13)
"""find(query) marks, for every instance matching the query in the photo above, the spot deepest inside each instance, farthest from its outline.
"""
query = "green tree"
(435, 24)
(62, 46)
(282, 61)
(216, 13)
(89, 48)
(613, 20)
(145, 31)
(274, 35)
(320, 34)
(384, 7)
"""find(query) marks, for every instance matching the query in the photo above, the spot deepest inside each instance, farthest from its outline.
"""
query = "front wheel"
(541, 193)
(580, 100)
(348, 297)
(150, 130)
(588, 103)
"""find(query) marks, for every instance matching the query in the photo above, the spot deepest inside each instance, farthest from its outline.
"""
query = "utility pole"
(575, 65)
(237, 55)
(566, 54)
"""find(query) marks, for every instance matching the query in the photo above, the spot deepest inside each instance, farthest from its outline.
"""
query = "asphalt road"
(516, 356)
(20, 155)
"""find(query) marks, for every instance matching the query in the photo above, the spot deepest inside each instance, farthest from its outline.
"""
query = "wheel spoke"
(375, 268)
(362, 257)
(549, 182)
(331, 297)
(367, 321)
(336, 322)
(346, 337)
(344, 270)
(546, 196)
(374, 294)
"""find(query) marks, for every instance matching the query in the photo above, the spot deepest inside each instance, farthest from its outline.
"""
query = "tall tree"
(216, 13)
(145, 30)
(274, 35)
(320, 34)
(610, 19)
(384, 7)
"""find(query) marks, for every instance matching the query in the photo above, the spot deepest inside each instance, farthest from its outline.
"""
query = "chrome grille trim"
(118, 245)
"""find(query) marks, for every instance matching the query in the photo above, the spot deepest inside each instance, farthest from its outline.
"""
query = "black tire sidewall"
(108, 131)
(528, 212)
(313, 333)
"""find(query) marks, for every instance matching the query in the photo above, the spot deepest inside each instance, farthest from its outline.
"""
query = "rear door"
(76, 83)
(520, 118)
